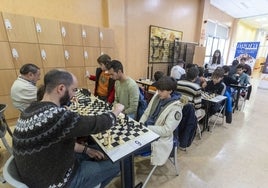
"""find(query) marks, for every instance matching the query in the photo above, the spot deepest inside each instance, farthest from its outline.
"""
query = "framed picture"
(161, 44)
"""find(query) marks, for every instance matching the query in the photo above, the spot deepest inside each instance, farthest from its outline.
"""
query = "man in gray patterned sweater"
(45, 136)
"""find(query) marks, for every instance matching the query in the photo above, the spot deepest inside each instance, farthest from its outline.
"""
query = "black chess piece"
(141, 125)
(85, 92)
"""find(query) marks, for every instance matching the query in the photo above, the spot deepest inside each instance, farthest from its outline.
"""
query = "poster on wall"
(161, 44)
(249, 50)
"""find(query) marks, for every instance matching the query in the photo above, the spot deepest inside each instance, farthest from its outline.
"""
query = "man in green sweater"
(126, 89)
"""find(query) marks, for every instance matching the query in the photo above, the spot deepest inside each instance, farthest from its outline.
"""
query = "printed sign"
(248, 50)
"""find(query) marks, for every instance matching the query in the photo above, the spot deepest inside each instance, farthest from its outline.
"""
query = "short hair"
(180, 61)
(104, 59)
(116, 65)
(56, 77)
(40, 92)
(240, 66)
(189, 65)
(166, 83)
(201, 71)
(218, 73)
(192, 73)
(235, 62)
(158, 75)
(243, 59)
(26, 68)
(226, 68)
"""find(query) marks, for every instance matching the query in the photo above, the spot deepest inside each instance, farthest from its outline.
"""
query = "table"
(238, 88)
(117, 150)
(145, 83)
(208, 102)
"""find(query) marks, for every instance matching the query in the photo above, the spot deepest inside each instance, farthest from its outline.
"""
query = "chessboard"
(122, 139)
(88, 105)
(212, 97)
(206, 95)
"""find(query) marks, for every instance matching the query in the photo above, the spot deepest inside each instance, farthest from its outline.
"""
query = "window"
(216, 37)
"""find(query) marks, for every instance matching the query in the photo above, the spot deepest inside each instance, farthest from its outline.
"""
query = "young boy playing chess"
(162, 116)
(215, 86)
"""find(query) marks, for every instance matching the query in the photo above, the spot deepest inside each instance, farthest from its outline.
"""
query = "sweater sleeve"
(133, 99)
(86, 125)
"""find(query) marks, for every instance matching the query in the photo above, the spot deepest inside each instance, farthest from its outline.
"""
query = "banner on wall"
(249, 50)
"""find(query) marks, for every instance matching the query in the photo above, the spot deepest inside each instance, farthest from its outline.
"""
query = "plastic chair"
(220, 113)
(173, 157)
(199, 131)
(11, 174)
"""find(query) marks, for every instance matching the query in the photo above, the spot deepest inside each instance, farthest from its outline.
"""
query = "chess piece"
(105, 141)
(141, 125)
(121, 140)
(99, 136)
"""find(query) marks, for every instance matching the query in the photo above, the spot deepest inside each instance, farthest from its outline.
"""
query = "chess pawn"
(141, 125)
(105, 141)
(99, 136)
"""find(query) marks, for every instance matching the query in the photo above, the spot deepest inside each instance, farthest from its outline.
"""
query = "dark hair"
(240, 66)
(214, 58)
(40, 92)
(201, 71)
(189, 65)
(166, 83)
(116, 65)
(235, 62)
(218, 73)
(158, 75)
(104, 59)
(56, 77)
(26, 68)
(192, 73)
(226, 68)
(180, 61)
(243, 58)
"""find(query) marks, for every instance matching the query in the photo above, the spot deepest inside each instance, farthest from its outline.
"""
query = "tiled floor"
(230, 156)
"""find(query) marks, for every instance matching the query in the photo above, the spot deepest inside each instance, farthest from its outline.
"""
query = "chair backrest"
(224, 88)
(2, 118)
(11, 174)
(142, 104)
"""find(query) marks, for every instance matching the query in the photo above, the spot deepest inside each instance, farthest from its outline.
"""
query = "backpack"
(142, 105)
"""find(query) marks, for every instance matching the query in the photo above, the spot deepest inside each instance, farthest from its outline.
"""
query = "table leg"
(127, 172)
(237, 98)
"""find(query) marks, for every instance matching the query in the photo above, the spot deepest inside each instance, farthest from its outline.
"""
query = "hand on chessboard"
(118, 108)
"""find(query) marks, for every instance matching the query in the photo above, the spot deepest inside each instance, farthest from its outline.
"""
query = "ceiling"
(251, 12)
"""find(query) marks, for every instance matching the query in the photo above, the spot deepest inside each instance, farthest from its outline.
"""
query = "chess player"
(192, 90)
(216, 86)
(162, 116)
(104, 85)
(24, 90)
(45, 135)
(126, 89)
(178, 70)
